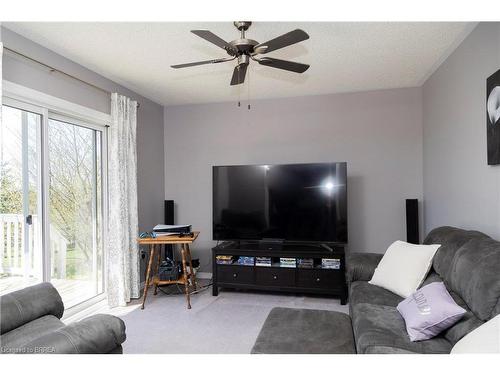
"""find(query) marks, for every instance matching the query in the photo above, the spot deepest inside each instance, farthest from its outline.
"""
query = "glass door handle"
(29, 219)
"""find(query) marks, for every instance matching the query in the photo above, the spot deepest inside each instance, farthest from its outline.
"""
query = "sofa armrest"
(25, 305)
(361, 266)
(97, 334)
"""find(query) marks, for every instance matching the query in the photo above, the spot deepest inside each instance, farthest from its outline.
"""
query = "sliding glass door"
(20, 226)
(75, 209)
(52, 179)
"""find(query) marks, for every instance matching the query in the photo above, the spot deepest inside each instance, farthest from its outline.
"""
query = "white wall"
(378, 133)
(460, 189)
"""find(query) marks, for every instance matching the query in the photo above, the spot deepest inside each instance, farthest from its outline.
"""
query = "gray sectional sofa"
(469, 264)
(30, 324)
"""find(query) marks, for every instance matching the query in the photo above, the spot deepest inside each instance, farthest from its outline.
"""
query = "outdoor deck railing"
(19, 258)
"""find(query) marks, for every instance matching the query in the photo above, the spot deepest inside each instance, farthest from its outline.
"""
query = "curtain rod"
(52, 70)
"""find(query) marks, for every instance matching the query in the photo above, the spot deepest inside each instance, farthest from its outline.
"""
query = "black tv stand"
(316, 280)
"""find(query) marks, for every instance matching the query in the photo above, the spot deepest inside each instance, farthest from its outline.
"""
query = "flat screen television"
(290, 202)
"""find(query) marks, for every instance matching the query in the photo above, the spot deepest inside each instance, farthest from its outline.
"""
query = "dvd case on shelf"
(288, 262)
(330, 263)
(305, 263)
(224, 259)
(263, 261)
(246, 261)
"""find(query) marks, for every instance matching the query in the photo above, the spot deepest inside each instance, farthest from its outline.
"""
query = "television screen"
(293, 202)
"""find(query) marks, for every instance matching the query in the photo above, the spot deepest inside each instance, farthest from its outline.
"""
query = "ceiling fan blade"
(239, 73)
(212, 38)
(284, 40)
(283, 64)
(214, 61)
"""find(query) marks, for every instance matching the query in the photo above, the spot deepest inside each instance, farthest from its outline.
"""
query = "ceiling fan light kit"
(243, 50)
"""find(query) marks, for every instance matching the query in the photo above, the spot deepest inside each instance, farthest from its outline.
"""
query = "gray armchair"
(30, 323)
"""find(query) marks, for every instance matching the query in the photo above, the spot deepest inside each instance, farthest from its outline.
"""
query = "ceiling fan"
(244, 50)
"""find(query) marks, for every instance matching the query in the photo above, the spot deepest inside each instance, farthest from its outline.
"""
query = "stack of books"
(288, 262)
(330, 263)
(224, 259)
(263, 261)
(305, 262)
(246, 261)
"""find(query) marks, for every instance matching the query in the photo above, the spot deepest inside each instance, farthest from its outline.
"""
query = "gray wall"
(378, 133)
(150, 155)
(460, 189)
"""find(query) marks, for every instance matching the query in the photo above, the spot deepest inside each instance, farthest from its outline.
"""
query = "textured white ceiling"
(344, 57)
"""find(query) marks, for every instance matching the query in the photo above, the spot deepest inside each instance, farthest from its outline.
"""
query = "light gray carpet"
(228, 323)
(305, 331)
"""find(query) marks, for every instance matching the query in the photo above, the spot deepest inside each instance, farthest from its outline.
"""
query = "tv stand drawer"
(284, 277)
(317, 278)
(235, 274)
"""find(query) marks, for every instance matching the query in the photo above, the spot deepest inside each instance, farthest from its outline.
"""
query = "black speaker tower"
(169, 220)
(412, 230)
(169, 212)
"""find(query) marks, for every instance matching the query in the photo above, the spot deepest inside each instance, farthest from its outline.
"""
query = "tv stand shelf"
(315, 280)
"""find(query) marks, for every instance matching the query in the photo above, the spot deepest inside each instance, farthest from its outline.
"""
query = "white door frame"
(50, 107)
(41, 209)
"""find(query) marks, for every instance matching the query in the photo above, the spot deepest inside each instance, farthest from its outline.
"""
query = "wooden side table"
(152, 278)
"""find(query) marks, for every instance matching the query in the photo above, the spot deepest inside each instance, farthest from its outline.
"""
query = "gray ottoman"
(301, 331)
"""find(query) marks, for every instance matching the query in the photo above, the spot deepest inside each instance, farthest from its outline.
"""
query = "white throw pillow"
(404, 267)
(484, 339)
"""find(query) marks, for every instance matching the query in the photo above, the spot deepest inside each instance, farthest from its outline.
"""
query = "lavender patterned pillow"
(429, 311)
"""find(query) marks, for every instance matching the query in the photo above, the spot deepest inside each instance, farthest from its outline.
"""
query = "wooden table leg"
(193, 277)
(148, 274)
(185, 276)
(157, 270)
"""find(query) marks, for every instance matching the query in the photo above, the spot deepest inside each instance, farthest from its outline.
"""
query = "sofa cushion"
(468, 323)
(377, 326)
(380, 349)
(451, 239)
(432, 277)
(465, 325)
(475, 275)
(363, 292)
(30, 331)
(496, 310)
(23, 306)
(96, 334)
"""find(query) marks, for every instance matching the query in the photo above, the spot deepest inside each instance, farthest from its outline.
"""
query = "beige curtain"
(122, 249)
